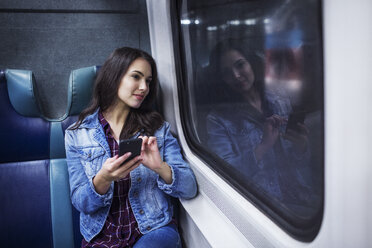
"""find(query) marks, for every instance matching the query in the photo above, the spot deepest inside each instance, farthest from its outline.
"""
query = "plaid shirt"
(121, 228)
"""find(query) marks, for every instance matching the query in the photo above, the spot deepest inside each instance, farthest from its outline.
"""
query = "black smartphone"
(130, 145)
(293, 119)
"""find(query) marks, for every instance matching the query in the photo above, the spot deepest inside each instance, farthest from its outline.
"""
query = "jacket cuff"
(169, 188)
(102, 199)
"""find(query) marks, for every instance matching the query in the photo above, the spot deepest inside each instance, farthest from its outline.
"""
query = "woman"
(125, 205)
(246, 128)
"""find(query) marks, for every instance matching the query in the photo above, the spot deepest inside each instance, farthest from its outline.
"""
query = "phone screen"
(130, 145)
(295, 118)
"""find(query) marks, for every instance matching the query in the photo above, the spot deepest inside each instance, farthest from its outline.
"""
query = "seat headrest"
(20, 84)
(24, 136)
(80, 89)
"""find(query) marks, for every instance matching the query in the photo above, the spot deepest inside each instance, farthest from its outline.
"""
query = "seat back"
(79, 92)
(36, 208)
(24, 165)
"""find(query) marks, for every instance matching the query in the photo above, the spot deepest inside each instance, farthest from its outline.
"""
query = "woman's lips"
(138, 96)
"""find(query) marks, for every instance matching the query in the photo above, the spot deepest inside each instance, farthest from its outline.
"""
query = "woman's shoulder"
(224, 112)
(88, 122)
(164, 128)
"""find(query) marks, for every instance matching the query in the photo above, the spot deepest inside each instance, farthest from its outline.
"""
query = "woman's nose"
(236, 73)
(143, 85)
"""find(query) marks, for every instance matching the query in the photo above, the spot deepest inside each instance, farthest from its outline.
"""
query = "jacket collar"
(91, 121)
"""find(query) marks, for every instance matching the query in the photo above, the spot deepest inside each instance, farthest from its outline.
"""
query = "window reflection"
(251, 129)
(257, 93)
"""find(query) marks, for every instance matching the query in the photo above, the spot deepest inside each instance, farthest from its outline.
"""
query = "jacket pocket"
(92, 159)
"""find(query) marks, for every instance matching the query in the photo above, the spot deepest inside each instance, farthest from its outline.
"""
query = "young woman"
(126, 204)
(247, 130)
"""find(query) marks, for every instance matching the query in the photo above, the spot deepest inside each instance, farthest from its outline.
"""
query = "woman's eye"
(148, 81)
(136, 76)
(240, 64)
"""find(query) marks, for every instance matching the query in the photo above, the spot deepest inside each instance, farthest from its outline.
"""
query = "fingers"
(276, 120)
(295, 137)
(119, 160)
(144, 141)
(151, 141)
(129, 166)
(302, 128)
(111, 164)
(148, 142)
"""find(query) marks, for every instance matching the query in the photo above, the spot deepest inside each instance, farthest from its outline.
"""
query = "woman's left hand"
(298, 137)
(150, 156)
(150, 153)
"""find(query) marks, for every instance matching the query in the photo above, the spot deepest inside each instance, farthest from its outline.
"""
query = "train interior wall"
(53, 38)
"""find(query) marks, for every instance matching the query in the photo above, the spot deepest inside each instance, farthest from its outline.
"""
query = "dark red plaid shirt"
(121, 228)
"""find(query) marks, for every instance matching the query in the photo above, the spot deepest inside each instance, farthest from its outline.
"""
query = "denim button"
(135, 194)
(148, 228)
(139, 179)
(141, 211)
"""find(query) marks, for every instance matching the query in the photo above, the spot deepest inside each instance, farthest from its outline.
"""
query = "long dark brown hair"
(105, 93)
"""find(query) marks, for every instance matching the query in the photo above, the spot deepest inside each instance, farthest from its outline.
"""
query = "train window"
(251, 89)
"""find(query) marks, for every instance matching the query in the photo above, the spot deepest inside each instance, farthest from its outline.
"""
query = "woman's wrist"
(165, 172)
(101, 184)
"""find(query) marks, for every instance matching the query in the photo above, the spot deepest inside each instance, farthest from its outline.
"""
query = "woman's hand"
(271, 130)
(113, 170)
(270, 135)
(150, 156)
(299, 137)
(150, 153)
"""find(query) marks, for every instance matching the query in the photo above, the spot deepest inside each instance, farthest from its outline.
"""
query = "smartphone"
(130, 145)
(293, 119)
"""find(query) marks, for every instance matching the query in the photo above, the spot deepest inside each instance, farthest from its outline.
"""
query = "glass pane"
(254, 85)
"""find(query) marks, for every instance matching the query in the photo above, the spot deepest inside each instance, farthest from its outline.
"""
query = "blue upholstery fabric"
(68, 121)
(80, 89)
(57, 142)
(24, 165)
(25, 205)
(21, 92)
(60, 204)
(21, 138)
(37, 210)
(79, 94)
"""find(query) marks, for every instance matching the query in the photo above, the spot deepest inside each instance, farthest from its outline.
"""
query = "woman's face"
(236, 71)
(135, 84)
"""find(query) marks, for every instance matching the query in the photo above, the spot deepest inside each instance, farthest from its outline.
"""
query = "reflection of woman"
(246, 131)
(126, 204)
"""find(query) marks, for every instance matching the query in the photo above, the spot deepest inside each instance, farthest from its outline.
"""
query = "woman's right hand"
(271, 130)
(270, 135)
(114, 170)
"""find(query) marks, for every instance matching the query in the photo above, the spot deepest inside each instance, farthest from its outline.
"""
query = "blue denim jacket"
(150, 197)
(235, 130)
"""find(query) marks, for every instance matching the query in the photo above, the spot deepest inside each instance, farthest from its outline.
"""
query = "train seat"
(80, 90)
(35, 209)
(24, 165)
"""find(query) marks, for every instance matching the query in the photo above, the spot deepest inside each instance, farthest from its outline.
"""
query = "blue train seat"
(35, 209)
(80, 90)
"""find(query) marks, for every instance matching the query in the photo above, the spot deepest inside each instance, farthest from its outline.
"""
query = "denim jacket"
(233, 135)
(150, 197)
